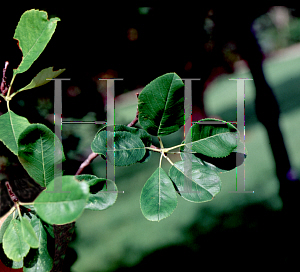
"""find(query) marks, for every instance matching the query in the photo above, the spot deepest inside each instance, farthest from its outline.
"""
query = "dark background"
(125, 41)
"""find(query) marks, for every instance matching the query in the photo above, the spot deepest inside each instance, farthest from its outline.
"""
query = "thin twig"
(90, 158)
(4, 87)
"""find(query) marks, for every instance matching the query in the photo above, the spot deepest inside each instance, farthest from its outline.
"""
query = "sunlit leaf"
(29, 234)
(4, 226)
(8, 262)
(40, 259)
(11, 126)
(14, 245)
(89, 179)
(64, 206)
(33, 33)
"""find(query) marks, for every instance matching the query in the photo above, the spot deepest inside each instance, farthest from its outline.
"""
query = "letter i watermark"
(240, 116)
(110, 169)
(110, 132)
(240, 171)
(57, 131)
(187, 185)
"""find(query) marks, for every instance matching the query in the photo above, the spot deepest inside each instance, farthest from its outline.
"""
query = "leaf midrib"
(12, 127)
(25, 56)
(34, 44)
(160, 123)
(209, 137)
(43, 162)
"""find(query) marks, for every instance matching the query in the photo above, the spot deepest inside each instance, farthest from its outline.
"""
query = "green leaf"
(29, 234)
(4, 226)
(225, 164)
(213, 140)
(87, 178)
(33, 33)
(121, 148)
(161, 105)
(186, 155)
(142, 134)
(103, 192)
(11, 127)
(49, 229)
(62, 207)
(42, 78)
(158, 198)
(8, 262)
(14, 245)
(201, 185)
(38, 153)
(41, 260)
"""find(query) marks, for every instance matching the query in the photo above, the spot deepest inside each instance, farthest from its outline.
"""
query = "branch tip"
(89, 159)
(4, 87)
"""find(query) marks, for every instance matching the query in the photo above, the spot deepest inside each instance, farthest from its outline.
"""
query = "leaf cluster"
(207, 149)
(194, 177)
(25, 236)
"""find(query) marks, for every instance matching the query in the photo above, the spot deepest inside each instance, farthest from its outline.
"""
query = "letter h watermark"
(240, 113)
(110, 168)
